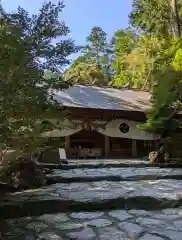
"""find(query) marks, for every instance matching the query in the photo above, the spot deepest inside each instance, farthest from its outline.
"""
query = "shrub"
(21, 172)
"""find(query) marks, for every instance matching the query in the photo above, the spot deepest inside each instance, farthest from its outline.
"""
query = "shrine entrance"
(116, 141)
(87, 144)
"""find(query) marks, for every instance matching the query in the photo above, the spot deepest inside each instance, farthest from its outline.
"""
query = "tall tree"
(167, 73)
(97, 45)
(124, 43)
(175, 18)
(154, 16)
(94, 65)
(167, 97)
(26, 51)
(108, 59)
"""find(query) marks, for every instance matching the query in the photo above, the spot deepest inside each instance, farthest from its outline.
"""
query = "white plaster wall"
(66, 128)
(60, 133)
(112, 130)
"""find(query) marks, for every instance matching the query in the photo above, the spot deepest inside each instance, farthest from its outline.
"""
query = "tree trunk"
(175, 18)
(97, 59)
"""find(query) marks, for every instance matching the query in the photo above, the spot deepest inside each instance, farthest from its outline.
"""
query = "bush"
(21, 172)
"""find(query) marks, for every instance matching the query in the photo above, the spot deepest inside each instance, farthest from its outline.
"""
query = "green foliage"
(167, 98)
(154, 16)
(124, 43)
(85, 73)
(135, 57)
(160, 24)
(99, 52)
(21, 172)
(94, 64)
(26, 51)
(177, 62)
(97, 45)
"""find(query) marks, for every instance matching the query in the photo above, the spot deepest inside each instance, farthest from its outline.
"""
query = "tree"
(167, 73)
(167, 97)
(94, 64)
(97, 45)
(84, 73)
(124, 43)
(141, 61)
(107, 61)
(175, 18)
(26, 51)
(99, 51)
(167, 91)
(155, 16)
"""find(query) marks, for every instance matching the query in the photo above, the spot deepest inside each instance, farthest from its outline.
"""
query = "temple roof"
(81, 96)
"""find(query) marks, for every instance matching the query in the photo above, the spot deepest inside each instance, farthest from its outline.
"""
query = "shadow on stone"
(110, 165)
(53, 180)
(38, 207)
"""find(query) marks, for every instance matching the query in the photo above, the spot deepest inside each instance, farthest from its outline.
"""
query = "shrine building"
(103, 122)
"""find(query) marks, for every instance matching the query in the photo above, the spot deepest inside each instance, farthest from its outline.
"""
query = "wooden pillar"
(67, 143)
(156, 145)
(134, 148)
(107, 146)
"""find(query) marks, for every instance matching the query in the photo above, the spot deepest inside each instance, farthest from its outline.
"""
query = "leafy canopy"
(26, 51)
(154, 16)
(94, 64)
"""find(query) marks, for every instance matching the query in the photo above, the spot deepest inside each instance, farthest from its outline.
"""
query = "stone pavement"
(95, 195)
(108, 225)
(113, 174)
(109, 163)
(142, 204)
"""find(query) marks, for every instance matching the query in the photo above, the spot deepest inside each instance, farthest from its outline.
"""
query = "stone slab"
(96, 191)
(85, 234)
(94, 196)
(111, 174)
(86, 215)
(124, 173)
(107, 163)
(121, 215)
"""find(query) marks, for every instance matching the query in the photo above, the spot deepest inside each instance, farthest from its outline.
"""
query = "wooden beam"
(107, 146)
(67, 143)
(134, 148)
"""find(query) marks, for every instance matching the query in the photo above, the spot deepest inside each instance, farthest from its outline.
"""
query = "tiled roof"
(82, 96)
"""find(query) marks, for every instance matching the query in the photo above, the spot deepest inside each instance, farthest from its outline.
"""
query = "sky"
(81, 15)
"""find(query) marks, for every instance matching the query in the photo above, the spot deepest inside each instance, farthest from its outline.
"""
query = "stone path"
(115, 225)
(142, 204)
(113, 174)
(98, 195)
(109, 163)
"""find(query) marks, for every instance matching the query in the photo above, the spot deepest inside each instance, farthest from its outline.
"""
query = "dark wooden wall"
(105, 115)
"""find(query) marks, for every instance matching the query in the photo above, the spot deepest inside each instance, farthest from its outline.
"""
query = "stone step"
(104, 163)
(112, 174)
(103, 195)
(115, 225)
